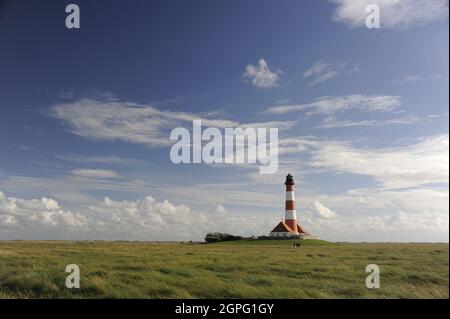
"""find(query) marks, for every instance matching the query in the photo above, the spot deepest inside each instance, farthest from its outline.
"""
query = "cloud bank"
(143, 219)
(148, 219)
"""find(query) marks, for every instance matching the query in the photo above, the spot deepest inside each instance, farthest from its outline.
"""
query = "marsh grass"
(241, 269)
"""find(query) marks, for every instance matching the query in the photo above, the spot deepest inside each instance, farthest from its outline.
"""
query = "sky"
(86, 115)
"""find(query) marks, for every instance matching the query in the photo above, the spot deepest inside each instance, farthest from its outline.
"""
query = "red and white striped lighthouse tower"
(290, 215)
(289, 227)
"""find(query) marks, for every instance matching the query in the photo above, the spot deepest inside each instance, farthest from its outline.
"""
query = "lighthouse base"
(280, 235)
(283, 230)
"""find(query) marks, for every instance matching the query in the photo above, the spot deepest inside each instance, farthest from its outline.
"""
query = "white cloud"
(135, 123)
(36, 213)
(408, 166)
(393, 13)
(425, 200)
(72, 94)
(411, 215)
(94, 173)
(78, 158)
(143, 219)
(322, 71)
(367, 214)
(296, 145)
(377, 214)
(261, 76)
(394, 227)
(332, 122)
(329, 104)
(74, 189)
(148, 218)
(357, 215)
(124, 121)
(322, 211)
(412, 78)
(407, 79)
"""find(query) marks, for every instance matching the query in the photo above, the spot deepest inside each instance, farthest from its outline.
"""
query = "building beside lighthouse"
(289, 227)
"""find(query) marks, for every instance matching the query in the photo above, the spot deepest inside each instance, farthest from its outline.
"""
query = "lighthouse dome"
(289, 179)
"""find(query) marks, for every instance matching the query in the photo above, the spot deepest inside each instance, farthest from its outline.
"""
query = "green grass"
(288, 242)
(241, 269)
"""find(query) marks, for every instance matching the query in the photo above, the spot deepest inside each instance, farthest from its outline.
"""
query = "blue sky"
(85, 118)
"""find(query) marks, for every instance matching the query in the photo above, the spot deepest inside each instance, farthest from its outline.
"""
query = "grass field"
(244, 269)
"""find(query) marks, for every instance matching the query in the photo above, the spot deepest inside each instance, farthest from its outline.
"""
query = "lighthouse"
(290, 215)
(289, 227)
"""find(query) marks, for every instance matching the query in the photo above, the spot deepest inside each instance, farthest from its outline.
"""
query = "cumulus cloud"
(322, 71)
(393, 13)
(41, 213)
(94, 173)
(364, 214)
(322, 211)
(261, 76)
(329, 104)
(143, 219)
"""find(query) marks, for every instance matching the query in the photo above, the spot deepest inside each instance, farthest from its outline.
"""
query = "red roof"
(301, 230)
(283, 228)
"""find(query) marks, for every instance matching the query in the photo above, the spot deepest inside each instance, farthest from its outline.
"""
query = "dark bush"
(216, 237)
